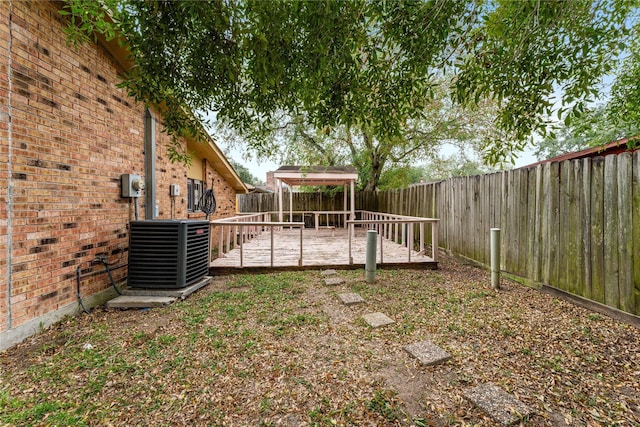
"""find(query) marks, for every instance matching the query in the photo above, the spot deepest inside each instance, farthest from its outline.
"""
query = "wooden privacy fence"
(573, 225)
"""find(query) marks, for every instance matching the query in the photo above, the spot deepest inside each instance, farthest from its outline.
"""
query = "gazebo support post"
(344, 204)
(279, 201)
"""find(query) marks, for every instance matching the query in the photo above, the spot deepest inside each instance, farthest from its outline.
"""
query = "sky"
(259, 169)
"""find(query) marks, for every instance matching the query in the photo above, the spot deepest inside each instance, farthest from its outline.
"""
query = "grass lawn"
(280, 349)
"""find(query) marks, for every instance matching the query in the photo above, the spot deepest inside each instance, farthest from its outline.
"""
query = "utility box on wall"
(132, 185)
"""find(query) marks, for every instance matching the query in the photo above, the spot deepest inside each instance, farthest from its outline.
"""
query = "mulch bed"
(281, 349)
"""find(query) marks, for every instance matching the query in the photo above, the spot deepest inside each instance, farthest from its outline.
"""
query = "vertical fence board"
(446, 211)
(538, 240)
(545, 264)
(597, 229)
(451, 211)
(625, 219)
(566, 222)
(435, 203)
(532, 214)
(554, 222)
(457, 214)
(498, 195)
(611, 290)
(460, 206)
(511, 234)
(514, 225)
(505, 219)
(635, 234)
(442, 212)
(470, 242)
(496, 199)
(466, 241)
(484, 215)
(483, 219)
(471, 219)
(578, 266)
(504, 227)
(467, 237)
(586, 227)
(454, 215)
(523, 226)
(429, 193)
(479, 220)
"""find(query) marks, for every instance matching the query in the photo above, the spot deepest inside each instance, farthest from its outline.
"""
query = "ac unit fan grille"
(168, 254)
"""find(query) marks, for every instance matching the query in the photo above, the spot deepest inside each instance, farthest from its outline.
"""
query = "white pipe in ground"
(370, 266)
(495, 258)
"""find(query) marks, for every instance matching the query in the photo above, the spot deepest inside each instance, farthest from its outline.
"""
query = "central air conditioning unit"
(167, 254)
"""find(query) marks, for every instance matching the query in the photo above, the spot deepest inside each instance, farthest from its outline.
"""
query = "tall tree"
(245, 174)
(359, 64)
(623, 108)
(594, 127)
(295, 140)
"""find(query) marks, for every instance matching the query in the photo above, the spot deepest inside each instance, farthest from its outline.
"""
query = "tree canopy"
(295, 140)
(245, 174)
(596, 126)
(367, 65)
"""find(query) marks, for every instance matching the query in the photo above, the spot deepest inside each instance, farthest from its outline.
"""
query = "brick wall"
(72, 134)
(4, 162)
(225, 199)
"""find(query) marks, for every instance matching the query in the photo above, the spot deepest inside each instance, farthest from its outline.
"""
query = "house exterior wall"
(4, 163)
(67, 133)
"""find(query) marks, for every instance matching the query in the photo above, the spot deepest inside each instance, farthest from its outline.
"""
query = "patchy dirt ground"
(280, 349)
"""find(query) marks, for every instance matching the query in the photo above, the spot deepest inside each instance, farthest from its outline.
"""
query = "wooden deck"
(324, 248)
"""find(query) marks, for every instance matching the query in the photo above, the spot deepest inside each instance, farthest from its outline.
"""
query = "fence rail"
(573, 225)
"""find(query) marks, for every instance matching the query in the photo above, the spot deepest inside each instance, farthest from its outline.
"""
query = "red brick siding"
(4, 161)
(225, 199)
(73, 134)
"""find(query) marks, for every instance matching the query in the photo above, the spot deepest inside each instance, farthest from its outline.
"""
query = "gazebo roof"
(316, 175)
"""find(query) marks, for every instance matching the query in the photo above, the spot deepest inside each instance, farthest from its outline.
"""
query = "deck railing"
(241, 229)
(238, 230)
(399, 229)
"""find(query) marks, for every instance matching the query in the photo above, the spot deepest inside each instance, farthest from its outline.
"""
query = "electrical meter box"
(132, 185)
(174, 190)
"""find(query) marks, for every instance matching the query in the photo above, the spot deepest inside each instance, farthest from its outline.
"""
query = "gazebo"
(246, 239)
(316, 176)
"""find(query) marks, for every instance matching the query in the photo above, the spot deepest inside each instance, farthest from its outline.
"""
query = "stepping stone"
(328, 272)
(427, 353)
(333, 281)
(377, 320)
(350, 298)
(500, 405)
